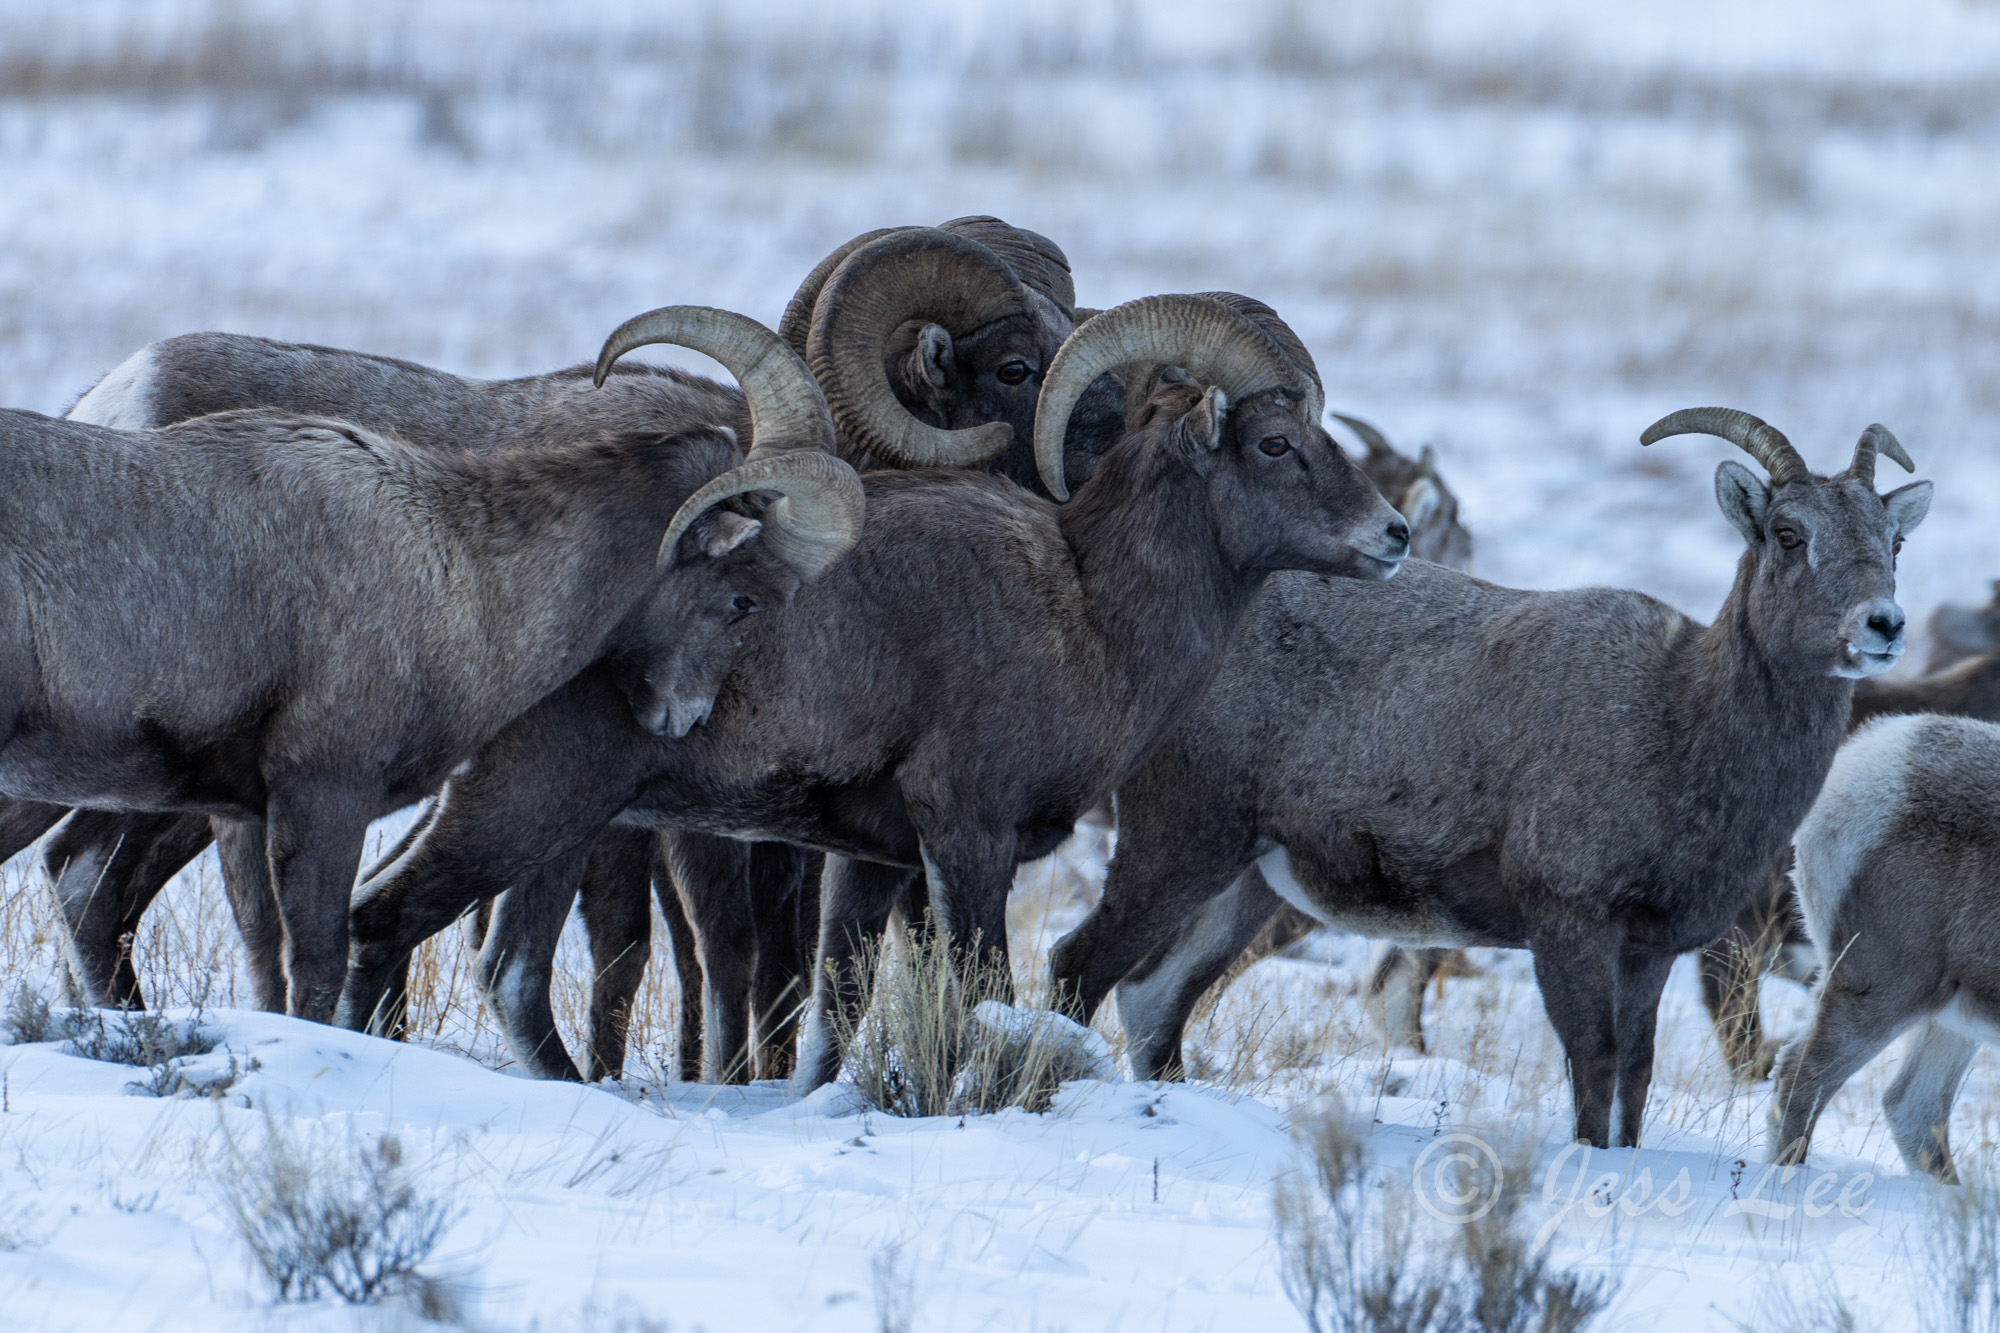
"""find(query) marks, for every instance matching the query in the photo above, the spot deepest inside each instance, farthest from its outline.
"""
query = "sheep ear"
(1908, 505)
(934, 354)
(728, 532)
(1201, 429)
(1421, 503)
(1743, 499)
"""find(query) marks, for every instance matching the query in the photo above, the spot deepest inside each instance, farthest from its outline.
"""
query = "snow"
(1518, 232)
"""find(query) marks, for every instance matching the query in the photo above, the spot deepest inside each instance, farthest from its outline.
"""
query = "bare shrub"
(1352, 1261)
(350, 1221)
(941, 1039)
(29, 1018)
(134, 1038)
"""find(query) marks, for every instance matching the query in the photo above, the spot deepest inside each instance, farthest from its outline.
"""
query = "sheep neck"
(1754, 737)
(1156, 586)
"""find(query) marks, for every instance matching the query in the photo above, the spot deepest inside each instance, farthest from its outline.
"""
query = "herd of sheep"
(958, 564)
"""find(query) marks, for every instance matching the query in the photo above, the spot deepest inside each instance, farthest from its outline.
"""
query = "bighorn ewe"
(1586, 774)
(355, 615)
(1898, 874)
(982, 669)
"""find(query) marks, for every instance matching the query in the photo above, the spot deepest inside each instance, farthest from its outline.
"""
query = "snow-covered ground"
(1519, 232)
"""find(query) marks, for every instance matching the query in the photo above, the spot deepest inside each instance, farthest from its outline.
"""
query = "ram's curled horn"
(796, 326)
(1214, 343)
(787, 412)
(812, 523)
(916, 273)
(1378, 443)
(1280, 333)
(1876, 439)
(1752, 435)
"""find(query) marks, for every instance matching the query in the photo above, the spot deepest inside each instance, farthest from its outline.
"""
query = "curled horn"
(815, 518)
(1212, 342)
(797, 323)
(787, 412)
(818, 513)
(915, 273)
(1753, 436)
(1876, 439)
(1378, 443)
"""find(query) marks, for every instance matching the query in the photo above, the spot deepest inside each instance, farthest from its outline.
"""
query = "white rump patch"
(1862, 794)
(123, 399)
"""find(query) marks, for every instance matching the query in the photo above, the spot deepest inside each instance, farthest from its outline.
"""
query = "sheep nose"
(1398, 533)
(1887, 621)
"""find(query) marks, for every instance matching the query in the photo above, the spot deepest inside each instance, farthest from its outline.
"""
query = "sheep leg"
(1641, 978)
(1576, 968)
(1156, 997)
(687, 965)
(1918, 1103)
(246, 881)
(181, 840)
(1154, 888)
(1848, 1028)
(21, 822)
(89, 861)
(969, 878)
(779, 873)
(516, 966)
(616, 902)
(712, 875)
(1394, 996)
(855, 900)
(314, 841)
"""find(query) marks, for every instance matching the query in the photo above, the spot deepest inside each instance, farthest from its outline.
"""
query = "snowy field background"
(1518, 232)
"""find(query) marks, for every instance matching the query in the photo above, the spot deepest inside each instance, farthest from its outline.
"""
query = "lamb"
(1898, 872)
(1587, 774)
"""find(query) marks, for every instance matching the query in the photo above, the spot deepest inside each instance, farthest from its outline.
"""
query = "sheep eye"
(1896, 547)
(742, 605)
(1013, 372)
(1787, 538)
(1274, 446)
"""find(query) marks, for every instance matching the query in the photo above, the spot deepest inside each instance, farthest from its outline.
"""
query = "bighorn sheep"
(1898, 864)
(981, 670)
(355, 615)
(931, 344)
(1586, 774)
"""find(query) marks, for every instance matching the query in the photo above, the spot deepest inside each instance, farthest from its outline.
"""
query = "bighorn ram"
(1586, 774)
(1898, 871)
(981, 670)
(355, 615)
(931, 343)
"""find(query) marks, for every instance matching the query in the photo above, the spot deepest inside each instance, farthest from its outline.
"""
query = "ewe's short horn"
(916, 273)
(1876, 439)
(787, 411)
(1753, 436)
(1378, 443)
(1215, 344)
(796, 326)
(815, 519)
